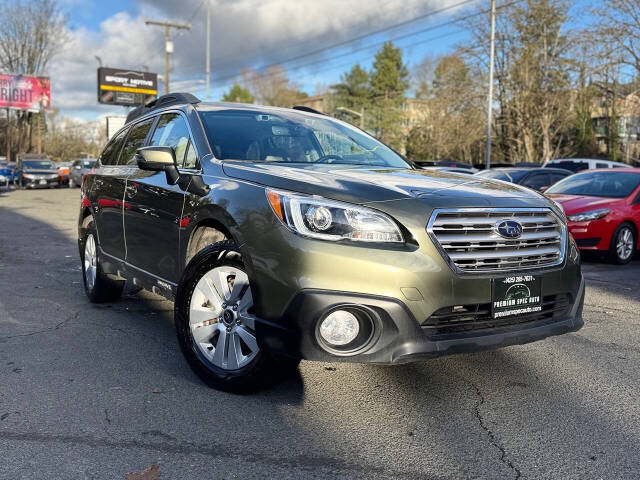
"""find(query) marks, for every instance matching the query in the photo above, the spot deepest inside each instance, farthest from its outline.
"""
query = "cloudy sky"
(245, 33)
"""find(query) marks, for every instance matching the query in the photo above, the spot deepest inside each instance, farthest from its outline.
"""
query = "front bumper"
(40, 182)
(591, 235)
(400, 337)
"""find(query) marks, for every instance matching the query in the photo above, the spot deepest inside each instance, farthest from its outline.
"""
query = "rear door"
(106, 195)
(152, 221)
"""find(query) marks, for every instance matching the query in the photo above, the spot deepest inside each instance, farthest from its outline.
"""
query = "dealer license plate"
(516, 295)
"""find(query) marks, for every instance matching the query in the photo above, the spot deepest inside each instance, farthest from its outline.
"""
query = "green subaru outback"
(284, 234)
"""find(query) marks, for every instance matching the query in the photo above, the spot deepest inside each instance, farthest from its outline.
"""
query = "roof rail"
(162, 101)
(304, 108)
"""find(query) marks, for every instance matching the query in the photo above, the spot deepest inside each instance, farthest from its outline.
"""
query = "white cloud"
(245, 33)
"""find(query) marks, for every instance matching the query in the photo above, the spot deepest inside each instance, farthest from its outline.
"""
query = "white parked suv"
(579, 164)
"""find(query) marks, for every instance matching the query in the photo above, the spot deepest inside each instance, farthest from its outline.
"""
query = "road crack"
(492, 438)
(58, 326)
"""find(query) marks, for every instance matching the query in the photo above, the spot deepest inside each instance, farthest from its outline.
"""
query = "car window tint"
(602, 165)
(110, 153)
(172, 131)
(134, 141)
(190, 158)
(556, 177)
(537, 181)
(598, 184)
(569, 165)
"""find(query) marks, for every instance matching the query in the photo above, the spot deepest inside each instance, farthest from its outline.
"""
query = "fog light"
(339, 328)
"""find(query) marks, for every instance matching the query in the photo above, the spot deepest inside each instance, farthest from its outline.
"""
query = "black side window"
(135, 140)
(190, 157)
(537, 181)
(172, 131)
(556, 177)
(110, 153)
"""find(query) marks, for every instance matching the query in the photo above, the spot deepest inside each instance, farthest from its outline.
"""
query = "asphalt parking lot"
(90, 391)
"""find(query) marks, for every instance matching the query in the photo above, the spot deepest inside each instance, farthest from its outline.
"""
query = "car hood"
(581, 203)
(357, 184)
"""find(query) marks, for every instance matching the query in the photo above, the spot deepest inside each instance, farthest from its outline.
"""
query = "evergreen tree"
(389, 82)
(354, 90)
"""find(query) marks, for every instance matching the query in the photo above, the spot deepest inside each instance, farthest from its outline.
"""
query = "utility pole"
(39, 140)
(208, 79)
(168, 45)
(8, 137)
(490, 96)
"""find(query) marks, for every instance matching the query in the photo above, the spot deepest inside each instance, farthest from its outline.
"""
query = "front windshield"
(87, 163)
(37, 164)
(291, 137)
(598, 184)
(507, 176)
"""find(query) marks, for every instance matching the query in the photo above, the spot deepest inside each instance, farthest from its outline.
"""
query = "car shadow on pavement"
(40, 273)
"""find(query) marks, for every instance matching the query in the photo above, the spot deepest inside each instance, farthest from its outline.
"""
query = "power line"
(356, 39)
(408, 46)
(373, 45)
(314, 41)
(195, 12)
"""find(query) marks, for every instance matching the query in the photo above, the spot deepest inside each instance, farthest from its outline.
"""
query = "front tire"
(98, 287)
(623, 244)
(216, 327)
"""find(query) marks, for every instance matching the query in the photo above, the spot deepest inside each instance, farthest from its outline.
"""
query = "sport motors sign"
(20, 92)
(126, 87)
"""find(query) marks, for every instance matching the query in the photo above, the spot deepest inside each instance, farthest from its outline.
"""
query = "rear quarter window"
(112, 150)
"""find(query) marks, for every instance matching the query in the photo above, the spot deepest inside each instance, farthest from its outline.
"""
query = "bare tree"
(273, 87)
(619, 29)
(533, 86)
(31, 33)
(453, 129)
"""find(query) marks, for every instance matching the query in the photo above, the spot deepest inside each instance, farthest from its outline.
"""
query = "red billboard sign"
(21, 92)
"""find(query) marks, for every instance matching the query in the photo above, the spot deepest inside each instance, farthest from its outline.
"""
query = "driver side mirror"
(158, 159)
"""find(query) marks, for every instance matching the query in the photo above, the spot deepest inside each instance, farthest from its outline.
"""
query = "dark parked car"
(283, 234)
(536, 178)
(35, 173)
(78, 169)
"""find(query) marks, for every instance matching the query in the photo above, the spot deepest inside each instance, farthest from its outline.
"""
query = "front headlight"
(590, 215)
(27, 175)
(324, 219)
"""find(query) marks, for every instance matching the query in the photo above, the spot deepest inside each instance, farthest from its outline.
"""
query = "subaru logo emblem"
(508, 228)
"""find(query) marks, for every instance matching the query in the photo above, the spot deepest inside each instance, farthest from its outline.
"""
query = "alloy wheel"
(219, 318)
(625, 243)
(90, 261)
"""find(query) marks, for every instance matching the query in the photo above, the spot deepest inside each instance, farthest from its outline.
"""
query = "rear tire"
(215, 325)
(98, 287)
(623, 244)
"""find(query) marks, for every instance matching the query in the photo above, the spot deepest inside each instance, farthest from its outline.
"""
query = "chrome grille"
(469, 241)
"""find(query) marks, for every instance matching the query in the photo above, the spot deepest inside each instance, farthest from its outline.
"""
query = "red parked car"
(603, 210)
